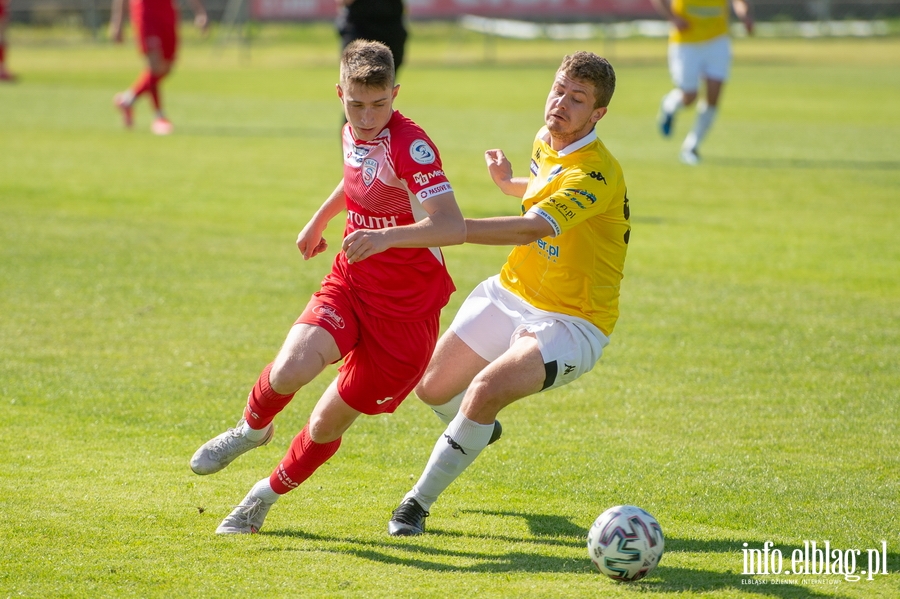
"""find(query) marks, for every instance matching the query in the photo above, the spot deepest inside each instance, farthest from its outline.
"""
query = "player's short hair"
(593, 69)
(367, 63)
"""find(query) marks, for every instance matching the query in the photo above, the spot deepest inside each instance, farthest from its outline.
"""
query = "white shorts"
(492, 318)
(709, 60)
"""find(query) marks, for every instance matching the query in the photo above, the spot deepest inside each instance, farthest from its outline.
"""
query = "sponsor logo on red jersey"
(330, 315)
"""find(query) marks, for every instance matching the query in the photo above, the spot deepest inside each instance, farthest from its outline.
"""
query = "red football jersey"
(385, 182)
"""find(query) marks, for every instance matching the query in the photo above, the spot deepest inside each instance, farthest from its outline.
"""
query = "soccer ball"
(625, 543)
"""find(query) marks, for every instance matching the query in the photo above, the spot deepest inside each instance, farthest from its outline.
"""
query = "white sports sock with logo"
(448, 411)
(673, 101)
(458, 447)
(705, 117)
(263, 490)
(253, 434)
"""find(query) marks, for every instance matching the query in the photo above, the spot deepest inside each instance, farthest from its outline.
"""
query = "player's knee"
(287, 376)
(427, 392)
(321, 430)
(689, 98)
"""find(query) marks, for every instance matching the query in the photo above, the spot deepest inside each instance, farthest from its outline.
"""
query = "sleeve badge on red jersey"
(421, 152)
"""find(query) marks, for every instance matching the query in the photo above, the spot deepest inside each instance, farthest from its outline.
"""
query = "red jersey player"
(156, 29)
(4, 20)
(378, 308)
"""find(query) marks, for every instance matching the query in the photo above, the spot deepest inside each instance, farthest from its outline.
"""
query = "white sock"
(458, 447)
(253, 434)
(263, 490)
(673, 101)
(448, 411)
(705, 117)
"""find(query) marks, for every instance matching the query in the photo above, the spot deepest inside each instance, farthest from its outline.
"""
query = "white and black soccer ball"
(625, 543)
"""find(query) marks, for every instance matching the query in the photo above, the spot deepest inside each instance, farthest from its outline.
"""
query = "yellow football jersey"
(581, 192)
(708, 19)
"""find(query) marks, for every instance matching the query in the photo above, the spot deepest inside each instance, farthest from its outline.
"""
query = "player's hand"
(499, 167)
(362, 243)
(680, 23)
(748, 24)
(201, 21)
(115, 33)
(310, 242)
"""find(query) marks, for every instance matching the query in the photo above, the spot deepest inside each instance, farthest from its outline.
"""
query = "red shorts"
(2, 9)
(384, 359)
(155, 27)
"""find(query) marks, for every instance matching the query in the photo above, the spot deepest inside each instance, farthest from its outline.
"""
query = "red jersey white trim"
(385, 182)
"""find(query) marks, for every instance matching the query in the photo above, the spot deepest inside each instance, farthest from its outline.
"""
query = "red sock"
(2, 53)
(147, 82)
(302, 459)
(264, 403)
(154, 93)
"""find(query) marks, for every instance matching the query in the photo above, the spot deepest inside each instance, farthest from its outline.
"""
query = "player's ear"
(340, 92)
(394, 91)
(599, 113)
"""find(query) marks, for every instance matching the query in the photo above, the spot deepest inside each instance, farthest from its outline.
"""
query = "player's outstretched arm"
(664, 8)
(200, 19)
(115, 20)
(310, 241)
(507, 230)
(443, 226)
(743, 12)
(501, 173)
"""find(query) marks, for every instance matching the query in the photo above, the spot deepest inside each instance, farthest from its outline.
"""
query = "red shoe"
(162, 126)
(126, 109)
(8, 77)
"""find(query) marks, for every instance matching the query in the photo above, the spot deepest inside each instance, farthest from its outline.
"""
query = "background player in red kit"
(155, 25)
(378, 308)
(4, 20)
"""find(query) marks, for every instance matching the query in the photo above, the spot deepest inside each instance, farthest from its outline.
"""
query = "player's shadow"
(551, 530)
(805, 163)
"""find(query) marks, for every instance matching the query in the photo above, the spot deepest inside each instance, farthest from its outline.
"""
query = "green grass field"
(750, 392)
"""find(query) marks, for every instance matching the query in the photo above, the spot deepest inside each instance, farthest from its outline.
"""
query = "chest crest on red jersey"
(369, 170)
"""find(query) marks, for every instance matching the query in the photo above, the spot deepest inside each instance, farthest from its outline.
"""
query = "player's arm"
(501, 173)
(664, 8)
(200, 18)
(508, 230)
(443, 226)
(743, 12)
(310, 241)
(115, 20)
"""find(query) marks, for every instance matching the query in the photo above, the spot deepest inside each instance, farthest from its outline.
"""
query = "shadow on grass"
(551, 530)
(805, 163)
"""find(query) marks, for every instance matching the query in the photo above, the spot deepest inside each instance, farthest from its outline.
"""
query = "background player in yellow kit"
(545, 319)
(699, 47)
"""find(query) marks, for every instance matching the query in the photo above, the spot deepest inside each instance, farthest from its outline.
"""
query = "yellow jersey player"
(545, 319)
(699, 47)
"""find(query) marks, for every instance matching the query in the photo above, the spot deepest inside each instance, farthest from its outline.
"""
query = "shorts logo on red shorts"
(329, 314)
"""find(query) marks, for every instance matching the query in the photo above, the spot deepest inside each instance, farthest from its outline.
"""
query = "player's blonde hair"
(593, 69)
(367, 63)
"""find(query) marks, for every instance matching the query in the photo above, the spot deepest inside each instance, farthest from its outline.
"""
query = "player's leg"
(685, 78)
(312, 447)
(544, 354)
(307, 350)
(480, 333)
(515, 374)
(716, 62)
(146, 83)
(452, 367)
(160, 63)
(5, 75)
